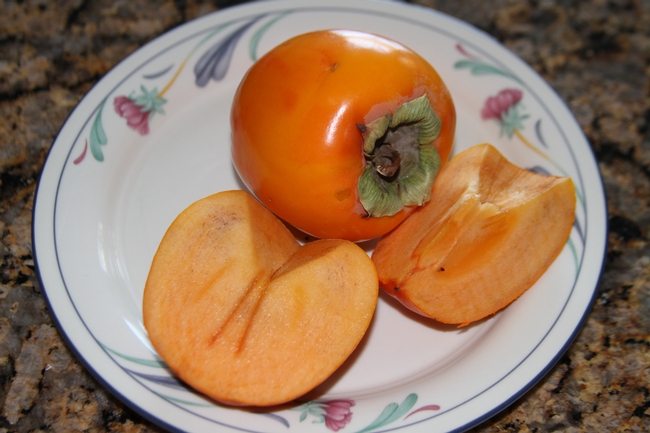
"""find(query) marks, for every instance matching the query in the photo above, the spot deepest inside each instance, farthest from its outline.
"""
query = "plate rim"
(252, 7)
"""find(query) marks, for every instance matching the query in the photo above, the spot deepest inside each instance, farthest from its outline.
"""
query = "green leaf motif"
(257, 36)
(140, 361)
(480, 68)
(184, 402)
(313, 408)
(512, 120)
(572, 247)
(98, 135)
(149, 101)
(392, 413)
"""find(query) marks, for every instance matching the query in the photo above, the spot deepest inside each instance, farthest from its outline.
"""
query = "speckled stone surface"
(594, 53)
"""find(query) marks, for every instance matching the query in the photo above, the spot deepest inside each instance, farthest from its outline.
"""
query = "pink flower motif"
(337, 413)
(496, 106)
(135, 117)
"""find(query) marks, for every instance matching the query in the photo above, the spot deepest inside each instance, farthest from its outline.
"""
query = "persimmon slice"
(490, 230)
(243, 313)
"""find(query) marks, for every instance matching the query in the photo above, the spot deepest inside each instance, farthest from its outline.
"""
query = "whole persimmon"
(341, 133)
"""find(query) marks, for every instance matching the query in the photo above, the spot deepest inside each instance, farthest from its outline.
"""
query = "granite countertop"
(595, 54)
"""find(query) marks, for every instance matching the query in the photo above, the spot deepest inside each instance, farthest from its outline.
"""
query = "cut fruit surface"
(490, 230)
(243, 313)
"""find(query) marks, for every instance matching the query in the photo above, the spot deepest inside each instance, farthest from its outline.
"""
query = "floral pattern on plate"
(138, 109)
(135, 103)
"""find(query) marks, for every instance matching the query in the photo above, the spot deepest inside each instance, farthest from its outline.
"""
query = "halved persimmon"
(490, 230)
(243, 313)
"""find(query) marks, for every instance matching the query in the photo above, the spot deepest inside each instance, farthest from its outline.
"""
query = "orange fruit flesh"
(241, 312)
(490, 230)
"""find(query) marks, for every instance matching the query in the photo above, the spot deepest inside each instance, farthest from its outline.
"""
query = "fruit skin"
(295, 140)
(490, 230)
(243, 313)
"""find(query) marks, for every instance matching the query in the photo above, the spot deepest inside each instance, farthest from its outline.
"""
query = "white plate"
(109, 191)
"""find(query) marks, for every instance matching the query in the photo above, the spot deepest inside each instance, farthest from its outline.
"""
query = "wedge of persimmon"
(243, 313)
(490, 230)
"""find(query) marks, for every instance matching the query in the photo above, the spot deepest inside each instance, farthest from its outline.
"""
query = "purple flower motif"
(497, 106)
(139, 109)
(504, 109)
(336, 414)
(135, 117)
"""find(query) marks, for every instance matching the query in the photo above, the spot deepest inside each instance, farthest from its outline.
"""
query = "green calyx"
(401, 162)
